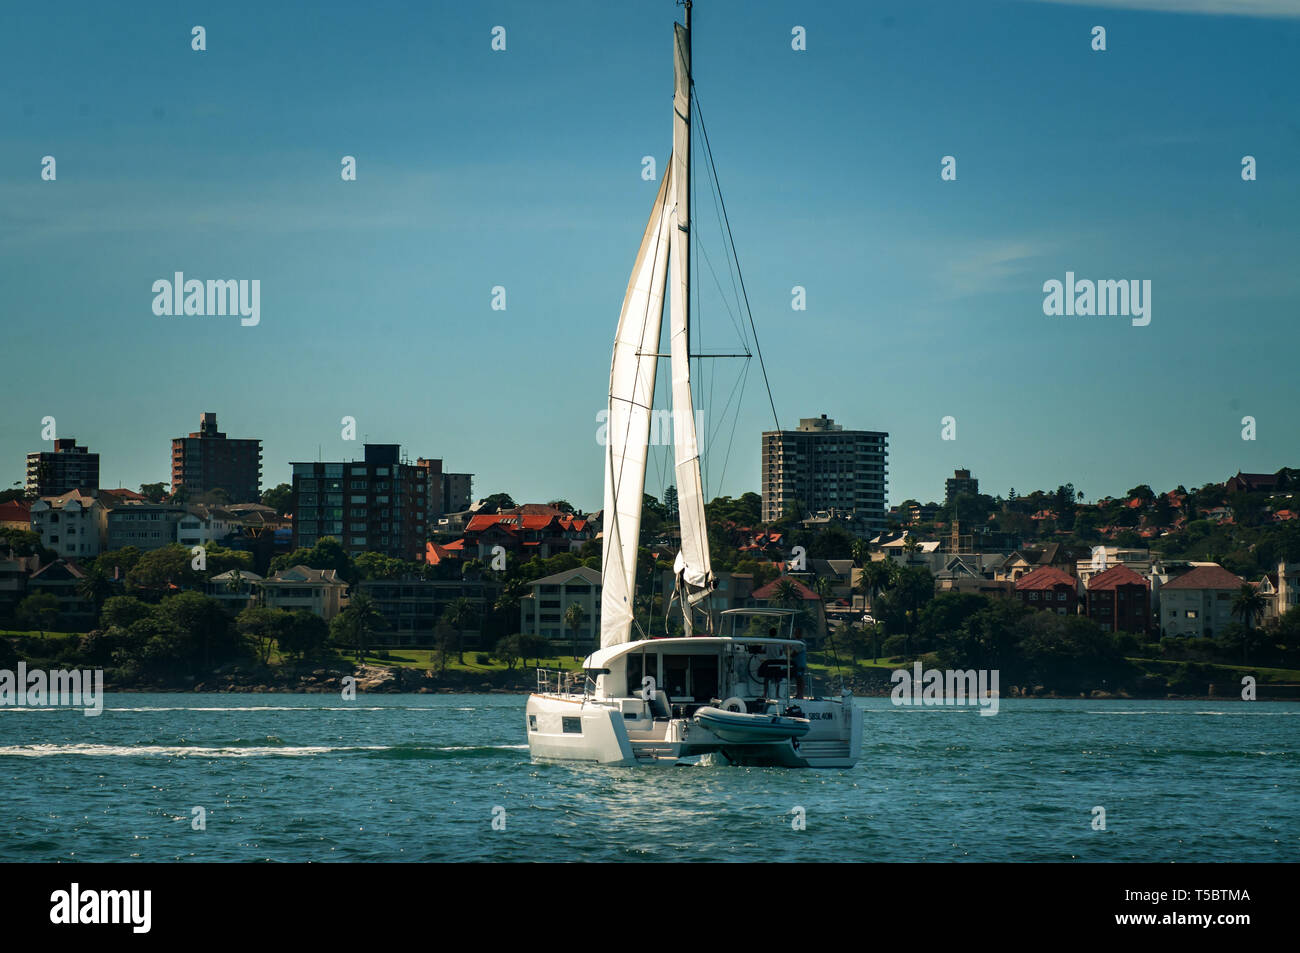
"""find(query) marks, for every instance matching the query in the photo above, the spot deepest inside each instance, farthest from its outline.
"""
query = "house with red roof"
(1198, 604)
(1119, 600)
(1051, 589)
(768, 597)
(114, 497)
(1253, 482)
(16, 515)
(534, 529)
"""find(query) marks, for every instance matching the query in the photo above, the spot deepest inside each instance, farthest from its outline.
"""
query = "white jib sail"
(631, 395)
(693, 564)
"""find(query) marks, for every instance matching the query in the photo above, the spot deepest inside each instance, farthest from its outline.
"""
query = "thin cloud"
(1278, 9)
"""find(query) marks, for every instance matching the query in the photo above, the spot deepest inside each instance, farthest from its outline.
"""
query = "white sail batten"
(694, 567)
(631, 396)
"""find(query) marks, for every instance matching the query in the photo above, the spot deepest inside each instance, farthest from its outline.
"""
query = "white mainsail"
(663, 260)
(631, 395)
(693, 567)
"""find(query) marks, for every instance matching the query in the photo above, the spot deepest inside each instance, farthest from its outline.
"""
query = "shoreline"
(1096, 695)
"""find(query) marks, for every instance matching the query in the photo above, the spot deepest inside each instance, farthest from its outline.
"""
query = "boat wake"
(399, 752)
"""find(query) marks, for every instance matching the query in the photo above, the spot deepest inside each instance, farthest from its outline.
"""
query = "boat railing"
(560, 682)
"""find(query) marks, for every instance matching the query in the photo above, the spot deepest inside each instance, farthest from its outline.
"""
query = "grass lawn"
(426, 659)
(1268, 675)
(37, 634)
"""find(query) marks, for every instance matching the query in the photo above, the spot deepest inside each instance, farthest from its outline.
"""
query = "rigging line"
(757, 347)
(740, 332)
(698, 311)
(717, 191)
(735, 422)
(727, 406)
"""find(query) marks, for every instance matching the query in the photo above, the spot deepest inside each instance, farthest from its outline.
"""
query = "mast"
(690, 95)
(693, 568)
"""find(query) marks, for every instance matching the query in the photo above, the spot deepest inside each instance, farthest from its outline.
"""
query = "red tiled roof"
(435, 553)
(15, 511)
(769, 591)
(1045, 577)
(1114, 577)
(1206, 577)
(122, 494)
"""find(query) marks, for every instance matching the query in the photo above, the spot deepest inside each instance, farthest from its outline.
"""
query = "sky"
(522, 169)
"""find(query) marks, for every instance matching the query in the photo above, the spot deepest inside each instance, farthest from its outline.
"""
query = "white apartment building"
(1198, 604)
(73, 525)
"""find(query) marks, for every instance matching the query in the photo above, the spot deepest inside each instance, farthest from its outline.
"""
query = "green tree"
(21, 542)
(498, 502)
(95, 587)
(122, 612)
(38, 611)
(202, 627)
(154, 492)
(280, 497)
(861, 552)
(262, 626)
(303, 634)
(380, 566)
(444, 642)
(160, 569)
(223, 559)
(532, 646)
(326, 554)
(508, 650)
(1248, 605)
(117, 563)
(360, 620)
(460, 614)
(574, 616)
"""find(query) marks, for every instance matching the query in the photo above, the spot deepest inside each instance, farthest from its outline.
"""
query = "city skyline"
(924, 297)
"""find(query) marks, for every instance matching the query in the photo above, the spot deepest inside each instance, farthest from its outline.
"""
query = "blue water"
(417, 777)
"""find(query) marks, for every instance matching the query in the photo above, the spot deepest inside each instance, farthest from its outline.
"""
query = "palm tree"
(366, 618)
(460, 614)
(860, 551)
(824, 588)
(511, 593)
(876, 576)
(95, 587)
(786, 595)
(573, 618)
(1249, 605)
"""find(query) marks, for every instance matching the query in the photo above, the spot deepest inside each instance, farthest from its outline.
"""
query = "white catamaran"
(735, 691)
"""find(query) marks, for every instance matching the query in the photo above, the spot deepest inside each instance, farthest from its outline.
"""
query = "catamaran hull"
(569, 728)
(563, 730)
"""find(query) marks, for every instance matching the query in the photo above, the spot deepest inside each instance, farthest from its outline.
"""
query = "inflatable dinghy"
(744, 728)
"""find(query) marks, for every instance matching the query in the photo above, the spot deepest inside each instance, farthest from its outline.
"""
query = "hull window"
(572, 726)
(532, 722)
